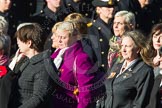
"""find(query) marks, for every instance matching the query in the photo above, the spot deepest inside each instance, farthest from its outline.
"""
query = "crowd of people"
(82, 54)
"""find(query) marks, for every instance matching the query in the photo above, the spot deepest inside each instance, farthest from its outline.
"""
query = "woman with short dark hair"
(32, 86)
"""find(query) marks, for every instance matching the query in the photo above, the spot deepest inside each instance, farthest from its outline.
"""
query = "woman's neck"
(32, 53)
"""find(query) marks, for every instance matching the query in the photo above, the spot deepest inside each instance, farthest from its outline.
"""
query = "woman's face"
(54, 41)
(23, 46)
(64, 38)
(157, 40)
(119, 26)
(128, 49)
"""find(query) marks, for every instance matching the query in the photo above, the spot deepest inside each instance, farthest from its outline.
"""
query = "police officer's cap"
(104, 3)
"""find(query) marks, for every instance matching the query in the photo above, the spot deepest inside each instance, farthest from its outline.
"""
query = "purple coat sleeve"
(85, 78)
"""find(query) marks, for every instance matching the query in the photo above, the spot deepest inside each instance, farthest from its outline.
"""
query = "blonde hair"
(71, 27)
(54, 28)
(74, 17)
(68, 26)
(79, 20)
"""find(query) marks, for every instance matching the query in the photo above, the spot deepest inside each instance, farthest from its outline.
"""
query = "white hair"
(128, 16)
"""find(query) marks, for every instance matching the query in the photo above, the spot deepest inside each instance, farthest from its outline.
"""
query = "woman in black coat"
(6, 83)
(129, 83)
(32, 88)
(156, 94)
(156, 42)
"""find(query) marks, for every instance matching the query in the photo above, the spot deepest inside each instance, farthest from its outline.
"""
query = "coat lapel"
(128, 72)
(125, 75)
(25, 64)
(51, 69)
(114, 71)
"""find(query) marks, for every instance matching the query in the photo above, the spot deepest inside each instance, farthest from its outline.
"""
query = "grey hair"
(128, 16)
(3, 25)
(5, 44)
(68, 26)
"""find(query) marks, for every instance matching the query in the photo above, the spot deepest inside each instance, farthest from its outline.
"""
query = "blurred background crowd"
(80, 43)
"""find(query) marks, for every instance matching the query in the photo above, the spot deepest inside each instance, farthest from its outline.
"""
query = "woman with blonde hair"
(81, 25)
(77, 72)
(54, 37)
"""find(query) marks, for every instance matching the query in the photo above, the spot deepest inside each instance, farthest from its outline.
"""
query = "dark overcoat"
(6, 83)
(131, 89)
(33, 87)
(99, 34)
(156, 94)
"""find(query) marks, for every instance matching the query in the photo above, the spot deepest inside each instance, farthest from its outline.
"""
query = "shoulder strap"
(139, 65)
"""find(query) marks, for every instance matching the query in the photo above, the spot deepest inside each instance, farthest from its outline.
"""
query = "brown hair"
(156, 28)
(80, 21)
(34, 33)
(140, 41)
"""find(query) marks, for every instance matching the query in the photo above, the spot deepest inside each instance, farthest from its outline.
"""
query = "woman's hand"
(16, 59)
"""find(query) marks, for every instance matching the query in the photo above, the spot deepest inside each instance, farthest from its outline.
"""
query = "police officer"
(100, 30)
(19, 12)
(47, 17)
(4, 7)
(147, 12)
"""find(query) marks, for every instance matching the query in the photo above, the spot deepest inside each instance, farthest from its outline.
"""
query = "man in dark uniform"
(147, 12)
(100, 30)
(4, 7)
(52, 13)
(84, 7)
(40, 5)
(19, 12)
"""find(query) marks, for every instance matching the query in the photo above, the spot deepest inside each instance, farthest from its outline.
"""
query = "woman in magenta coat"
(77, 73)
